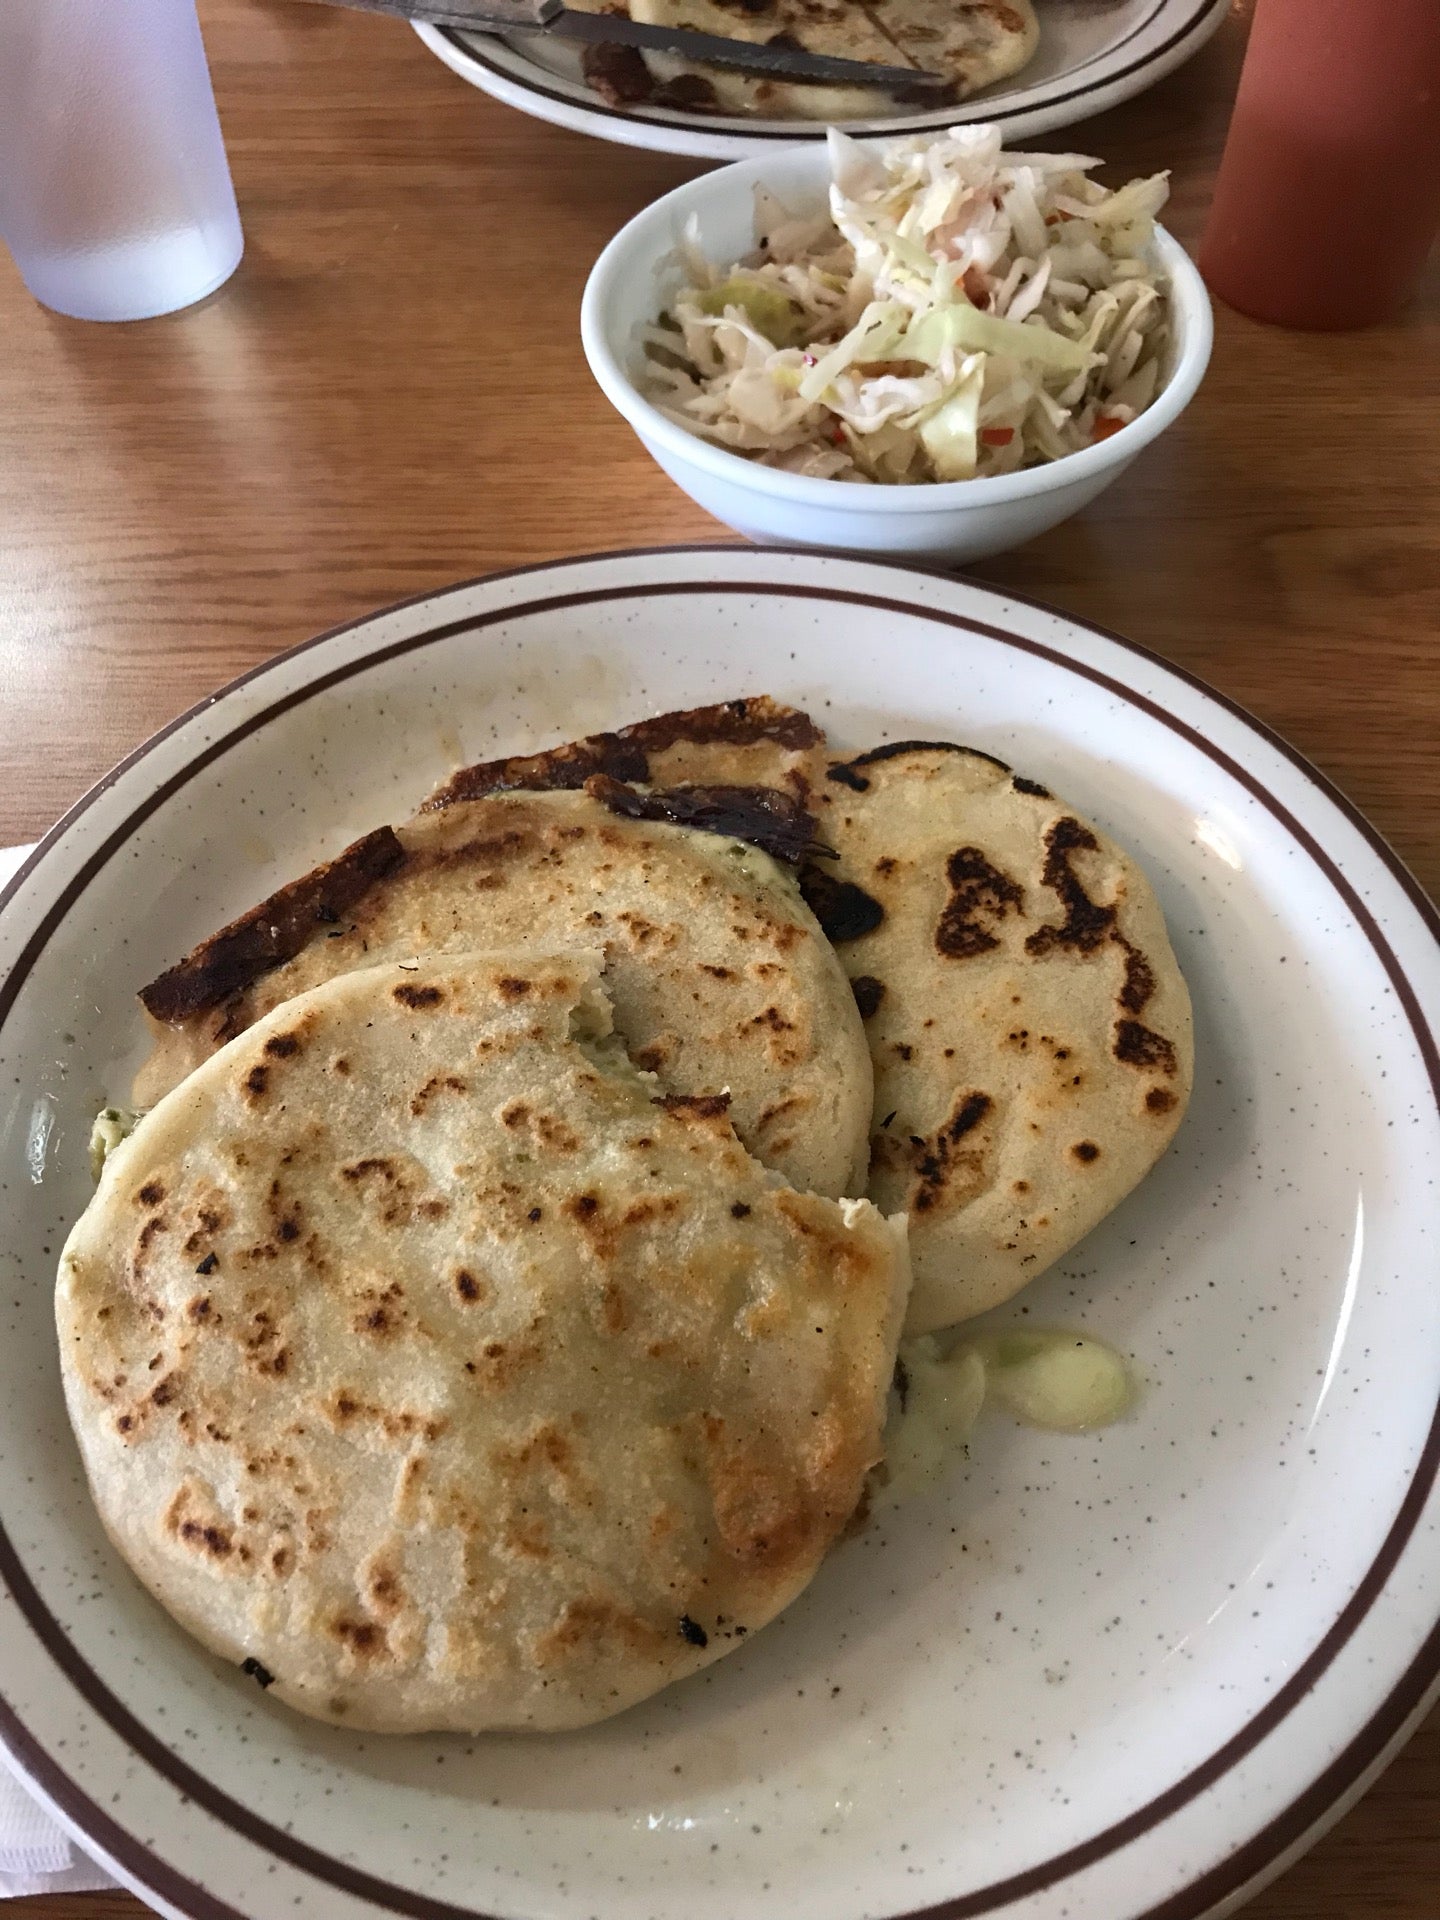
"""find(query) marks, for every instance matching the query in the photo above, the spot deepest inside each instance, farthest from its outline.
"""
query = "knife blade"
(613, 29)
(758, 56)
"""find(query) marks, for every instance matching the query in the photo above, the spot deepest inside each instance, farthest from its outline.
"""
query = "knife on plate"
(615, 29)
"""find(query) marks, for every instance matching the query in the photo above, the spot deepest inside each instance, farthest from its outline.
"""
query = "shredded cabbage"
(949, 435)
(961, 312)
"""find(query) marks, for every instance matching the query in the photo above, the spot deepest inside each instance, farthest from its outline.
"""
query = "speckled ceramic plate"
(1088, 1679)
(1092, 55)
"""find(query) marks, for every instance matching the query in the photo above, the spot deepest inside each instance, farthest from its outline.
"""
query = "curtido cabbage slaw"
(959, 312)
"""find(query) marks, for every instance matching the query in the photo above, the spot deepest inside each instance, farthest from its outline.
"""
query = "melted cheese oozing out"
(1063, 1381)
(112, 1125)
(943, 1395)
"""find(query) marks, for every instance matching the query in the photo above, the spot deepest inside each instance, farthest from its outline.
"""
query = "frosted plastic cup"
(1328, 195)
(115, 193)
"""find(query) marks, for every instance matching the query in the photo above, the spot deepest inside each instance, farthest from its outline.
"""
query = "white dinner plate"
(1092, 54)
(1096, 1678)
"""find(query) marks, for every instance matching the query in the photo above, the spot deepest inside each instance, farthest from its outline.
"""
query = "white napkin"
(36, 1856)
(10, 859)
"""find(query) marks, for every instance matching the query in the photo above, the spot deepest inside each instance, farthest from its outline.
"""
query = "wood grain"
(390, 396)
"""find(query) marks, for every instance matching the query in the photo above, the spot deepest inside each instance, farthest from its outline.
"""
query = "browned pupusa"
(427, 1362)
(720, 977)
(972, 43)
(1028, 1025)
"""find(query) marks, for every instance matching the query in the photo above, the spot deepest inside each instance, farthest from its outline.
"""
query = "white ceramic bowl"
(635, 277)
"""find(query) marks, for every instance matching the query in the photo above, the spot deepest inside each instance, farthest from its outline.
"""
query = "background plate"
(1092, 55)
(1088, 1679)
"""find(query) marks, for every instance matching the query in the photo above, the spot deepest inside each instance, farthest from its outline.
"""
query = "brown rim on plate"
(464, 44)
(1254, 1856)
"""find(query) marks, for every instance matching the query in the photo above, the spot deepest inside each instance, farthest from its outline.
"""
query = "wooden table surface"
(390, 395)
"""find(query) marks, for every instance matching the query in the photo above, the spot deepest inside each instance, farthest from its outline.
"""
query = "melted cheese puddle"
(1063, 1381)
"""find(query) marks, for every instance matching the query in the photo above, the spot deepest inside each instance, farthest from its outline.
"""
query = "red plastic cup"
(1329, 189)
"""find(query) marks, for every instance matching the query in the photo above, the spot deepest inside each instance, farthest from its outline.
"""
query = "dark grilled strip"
(845, 776)
(618, 74)
(733, 723)
(845, 911)
(566, 767)
(703, 1106)
(626, 755)
(764, 816)
(690, 93)
(845, 770)
(271, 933)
